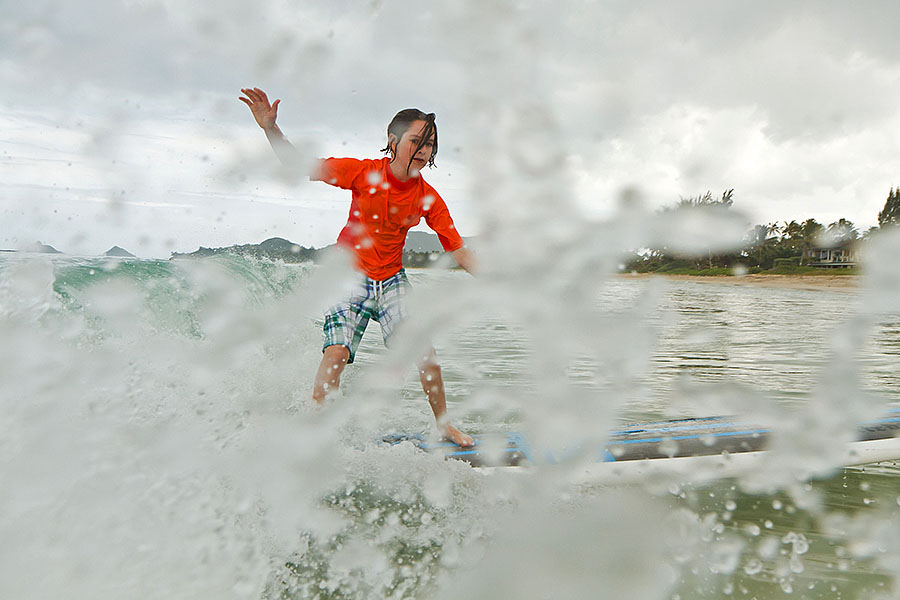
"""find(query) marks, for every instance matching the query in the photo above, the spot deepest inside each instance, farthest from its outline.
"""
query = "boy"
(388, 198)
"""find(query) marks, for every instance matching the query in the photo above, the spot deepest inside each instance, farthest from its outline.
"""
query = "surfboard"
(677, 446)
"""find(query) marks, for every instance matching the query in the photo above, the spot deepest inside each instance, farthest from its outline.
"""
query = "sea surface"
(157, 437)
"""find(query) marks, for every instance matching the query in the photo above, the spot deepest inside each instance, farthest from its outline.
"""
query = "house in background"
(842, 255)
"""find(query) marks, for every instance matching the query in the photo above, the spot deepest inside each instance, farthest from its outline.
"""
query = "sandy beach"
(799, 282)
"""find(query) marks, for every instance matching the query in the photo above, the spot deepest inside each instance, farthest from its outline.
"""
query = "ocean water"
(157, 437)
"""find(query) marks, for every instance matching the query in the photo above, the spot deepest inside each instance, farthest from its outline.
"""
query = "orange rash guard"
(383, 209)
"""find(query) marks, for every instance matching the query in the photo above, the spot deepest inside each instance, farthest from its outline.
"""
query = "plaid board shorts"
(383, 301)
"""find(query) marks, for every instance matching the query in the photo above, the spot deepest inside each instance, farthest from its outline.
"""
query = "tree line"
(765, 246)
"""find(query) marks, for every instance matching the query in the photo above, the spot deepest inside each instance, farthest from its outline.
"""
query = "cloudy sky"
(121, 125)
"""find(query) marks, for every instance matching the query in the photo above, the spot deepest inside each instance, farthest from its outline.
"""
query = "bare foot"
(458, 437)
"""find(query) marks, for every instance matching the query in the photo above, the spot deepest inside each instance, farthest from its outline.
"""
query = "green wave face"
(161, 295)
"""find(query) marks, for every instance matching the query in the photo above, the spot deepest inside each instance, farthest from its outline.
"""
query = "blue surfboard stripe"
(690, 437)
(469, 452)
(517, 438)
(646, 434)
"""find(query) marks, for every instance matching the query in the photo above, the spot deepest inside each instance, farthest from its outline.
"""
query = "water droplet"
(753, 566)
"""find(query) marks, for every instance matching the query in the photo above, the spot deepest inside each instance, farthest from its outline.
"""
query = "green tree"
(810, 231)
(706, 199)
(890, 214)
(867, 234)
(791, 238)
(791, 230)
(705, 202)
(842, 231)
(763, 244)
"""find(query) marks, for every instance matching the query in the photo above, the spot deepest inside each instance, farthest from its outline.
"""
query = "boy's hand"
(264, 113)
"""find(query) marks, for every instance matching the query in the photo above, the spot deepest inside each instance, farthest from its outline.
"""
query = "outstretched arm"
(265, 115)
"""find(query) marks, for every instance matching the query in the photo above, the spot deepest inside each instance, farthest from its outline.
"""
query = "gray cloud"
(792, 104)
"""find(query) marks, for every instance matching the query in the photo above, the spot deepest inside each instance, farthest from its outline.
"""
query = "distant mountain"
(422, 250)
(41, 247)
(273, 248)
(117, 251)
(420, 241)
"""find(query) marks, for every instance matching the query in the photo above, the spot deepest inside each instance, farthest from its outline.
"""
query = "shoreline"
(796, 282)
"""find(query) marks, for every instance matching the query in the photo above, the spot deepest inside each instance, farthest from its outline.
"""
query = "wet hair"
(401, 123)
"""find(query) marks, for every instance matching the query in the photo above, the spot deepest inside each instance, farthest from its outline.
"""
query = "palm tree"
(790, 235)
(791, 230)
(762, 240)
(705, 201)
(843, 230)
(810, 231)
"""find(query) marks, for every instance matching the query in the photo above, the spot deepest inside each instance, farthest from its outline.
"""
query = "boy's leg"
(433, 385)
(344, 326)
(328, 377)
(391, 312)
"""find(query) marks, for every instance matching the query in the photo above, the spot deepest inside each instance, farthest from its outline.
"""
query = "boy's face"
(405, 149)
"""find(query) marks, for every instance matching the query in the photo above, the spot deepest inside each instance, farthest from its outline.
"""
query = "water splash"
(155, 417)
